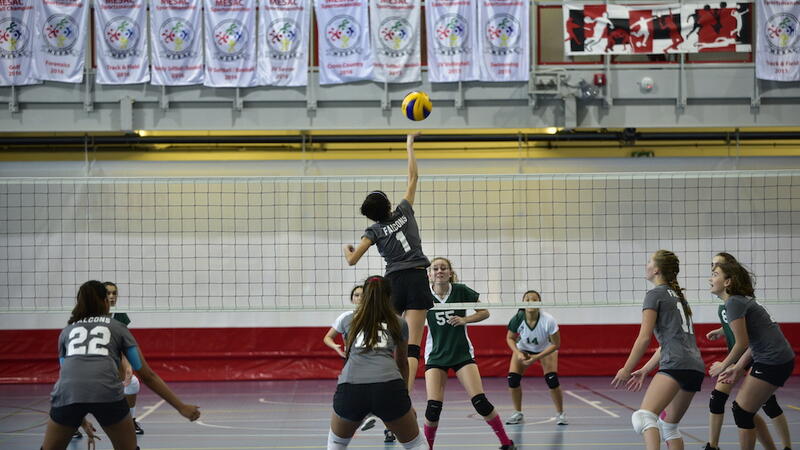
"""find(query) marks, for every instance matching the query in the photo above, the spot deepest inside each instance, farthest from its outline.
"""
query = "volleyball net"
(264, 244)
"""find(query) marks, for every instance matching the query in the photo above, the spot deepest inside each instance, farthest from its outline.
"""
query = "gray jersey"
(767, 342)
(375, 366)
(674, 331)
(91, 350)
(398, 240)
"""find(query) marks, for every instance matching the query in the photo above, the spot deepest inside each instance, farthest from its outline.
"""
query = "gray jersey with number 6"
(90, 350)
(674, 331)
(767, 342)
(398, 240)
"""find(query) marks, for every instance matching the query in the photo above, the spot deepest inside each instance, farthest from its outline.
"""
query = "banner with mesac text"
(778, 46)
(120, 28)
(598, 29)
(345, 52)
(230, 43)
(504, 41)
(61, 30)
(16, 43)
(283, 40)
(452, 41)
(396, 40)
(176, 36)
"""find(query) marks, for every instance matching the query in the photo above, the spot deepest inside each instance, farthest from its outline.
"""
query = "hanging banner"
(345, 53)
(452, 41)
(16, 43)
(504, 41)
(395, 38)
(120, 29)
(61, 27)
(230, 43)
(175, 34)
(778, 46)
(657, 28)
(283, 40)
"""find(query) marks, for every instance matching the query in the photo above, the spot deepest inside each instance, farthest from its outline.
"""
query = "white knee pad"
(337, 443)
(133, 387)
(643, 420)
(417, 443)
(669, 431)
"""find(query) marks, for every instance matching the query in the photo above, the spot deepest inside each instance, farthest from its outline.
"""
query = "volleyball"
(417, 105)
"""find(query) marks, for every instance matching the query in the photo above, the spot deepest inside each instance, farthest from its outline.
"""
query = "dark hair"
(530, 291)
(741, 279)
(727, 257)
(109, 283)
(669, 265)
(377, 207)
(453, 277)
(375, 308)
(353, 291)
(91, 301)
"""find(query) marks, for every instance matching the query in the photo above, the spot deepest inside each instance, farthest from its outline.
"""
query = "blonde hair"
(453, 277)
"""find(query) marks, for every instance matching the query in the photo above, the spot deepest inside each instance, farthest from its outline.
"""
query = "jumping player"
(681, 370)
(448, 347)
(533, 336)
(397, 236)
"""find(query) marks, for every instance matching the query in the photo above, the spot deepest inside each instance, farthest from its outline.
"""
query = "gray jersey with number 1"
(91, 350)
(674, 331)
(398, 240)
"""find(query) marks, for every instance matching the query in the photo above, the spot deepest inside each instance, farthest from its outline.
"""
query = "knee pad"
(433, 411)
(743, 418)
(669, 431)
(514, 379)
(482, 405)
(413, 351)
(551, 379)
(716, 404)
(772, 408)
(133, 387)
(643, 420)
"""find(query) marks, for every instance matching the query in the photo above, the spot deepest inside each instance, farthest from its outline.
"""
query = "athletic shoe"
(368, 424)
(136, 427)
(561, 419)
(515, 419)
(388, 437)
(709, 447)
(77, 434)
(509, 447)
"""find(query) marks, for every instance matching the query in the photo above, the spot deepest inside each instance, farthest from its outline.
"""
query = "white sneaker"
(368, 423)
(561, 419)
(515, 419)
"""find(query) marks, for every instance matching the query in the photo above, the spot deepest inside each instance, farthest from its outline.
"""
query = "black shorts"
(455, 367)
(389, 400)
(410, 290)
(688, 380)
(775, 375)
(106, 413)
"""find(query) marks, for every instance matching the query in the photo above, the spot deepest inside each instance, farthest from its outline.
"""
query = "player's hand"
(520, 357)
(348, 249)
(730, 375)
(191, 412)
(412, 136)
(716, 369)
(636, 380)
(457, 321)
(339, 351)
(713, 335)
(623, 375)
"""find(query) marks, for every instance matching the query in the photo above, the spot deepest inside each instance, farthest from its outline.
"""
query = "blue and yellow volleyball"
(417, 105)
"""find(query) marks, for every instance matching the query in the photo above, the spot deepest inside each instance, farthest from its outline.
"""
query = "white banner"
(120, 28)
(175, 34)
(231, 43)
(283, 42)
(16, 43)
(778, 46)
(345, 52)
(504, 41)
(452, 41)
(61, 28)
(396, 38)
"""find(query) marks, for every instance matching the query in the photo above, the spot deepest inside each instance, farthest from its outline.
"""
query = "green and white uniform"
(122, 317)
(536, 338)
(726, 326)
(448, 345)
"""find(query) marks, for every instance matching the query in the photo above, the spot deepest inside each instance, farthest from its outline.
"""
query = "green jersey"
(726, 326)
(449, 345)
(122, 317)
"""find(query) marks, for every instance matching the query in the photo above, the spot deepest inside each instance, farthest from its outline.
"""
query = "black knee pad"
(482, 405)
(514, 379)
(743, 418)
(413, 351)
(551, 379)
(433, 411)
(716, 404)
(772, 408)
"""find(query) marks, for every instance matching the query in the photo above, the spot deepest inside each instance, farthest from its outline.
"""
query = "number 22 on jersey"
(100, 337)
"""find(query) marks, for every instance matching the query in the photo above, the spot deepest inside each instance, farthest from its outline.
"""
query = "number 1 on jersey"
(403, 241)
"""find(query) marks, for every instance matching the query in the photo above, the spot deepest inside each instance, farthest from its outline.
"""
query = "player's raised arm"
(413, 175)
